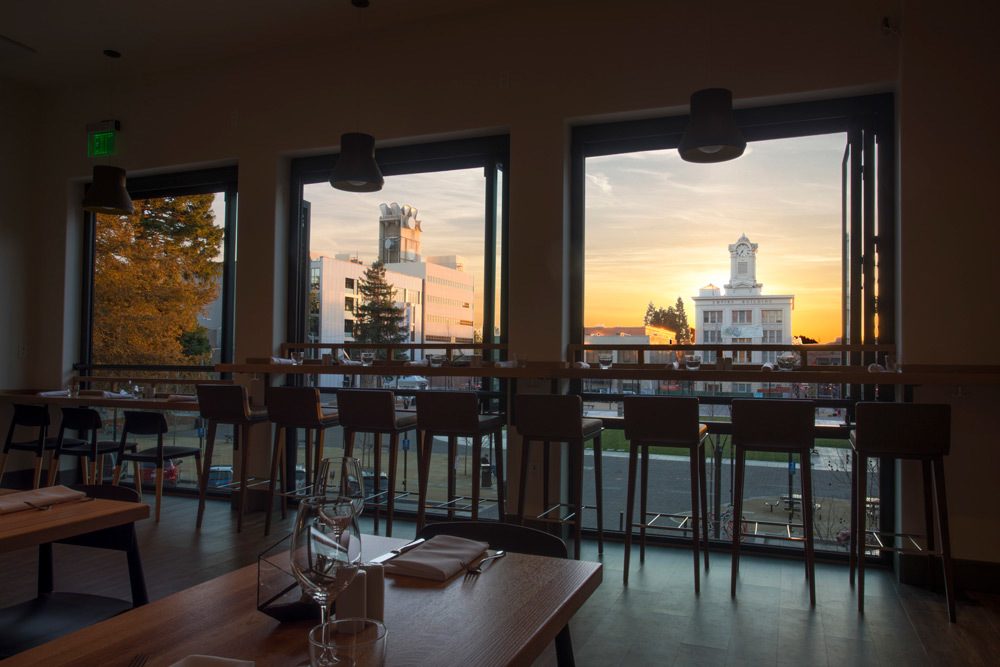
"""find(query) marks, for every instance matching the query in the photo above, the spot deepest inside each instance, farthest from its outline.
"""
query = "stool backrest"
(903, 429)
(144, 423)
(225, 403)
(664, 420)
(80, 419)
(454, 411)
(549, 416)
(30, 415)
(367, 409)
(776, 425)
(294, 406)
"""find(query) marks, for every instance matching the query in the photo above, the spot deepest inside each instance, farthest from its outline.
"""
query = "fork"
(478, 569)
(139, 660)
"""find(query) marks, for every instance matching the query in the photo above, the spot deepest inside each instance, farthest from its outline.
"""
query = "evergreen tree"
(673, 318)
(377, 318)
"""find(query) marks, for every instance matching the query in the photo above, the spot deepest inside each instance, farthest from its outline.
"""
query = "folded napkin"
(439, 558)
(50, 495)
(211, 661)
(54, 394)
(282, 361)
(768, 366)
(506, 364)
(419, 362)
(182, 397)
(581, 364)
(350, 362)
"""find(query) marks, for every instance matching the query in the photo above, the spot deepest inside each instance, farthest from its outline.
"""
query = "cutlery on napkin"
(44, 497)
(438, 559)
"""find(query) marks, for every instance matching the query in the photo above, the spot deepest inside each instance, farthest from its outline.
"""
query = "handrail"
(575, 351)
(388, 348)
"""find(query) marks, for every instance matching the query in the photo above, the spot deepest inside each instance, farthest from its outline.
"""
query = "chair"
(516, 539)
(455, 414)
(227, 404)
(37, 417)
(374, 411)
(291, 408)
(150, 423)
(665, 422)
(52, 614)
(775, 426)
(919, 432)
(91, 453)
(555, 418)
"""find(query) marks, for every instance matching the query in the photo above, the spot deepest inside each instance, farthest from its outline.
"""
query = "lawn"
(614, 440)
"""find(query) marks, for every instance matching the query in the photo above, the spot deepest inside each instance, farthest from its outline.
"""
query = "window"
(349, 304)
(711, 336)
(742, 356)
(742, 317)
(713, 317)
(348, 327)
(349, 284)
(772, 336)
(770, 316)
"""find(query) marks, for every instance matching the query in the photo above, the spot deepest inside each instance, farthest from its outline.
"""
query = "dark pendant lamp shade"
(107, 194)
(356, 169)
(711, 134)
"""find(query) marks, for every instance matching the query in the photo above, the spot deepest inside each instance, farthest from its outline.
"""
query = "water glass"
(367, 358)
(348, 642)
(605, 359)
(692, 362)
(435, 360)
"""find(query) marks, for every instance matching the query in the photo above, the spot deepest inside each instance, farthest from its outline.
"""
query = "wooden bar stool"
(291, 408)
(666, 422)
(919, 432)
(36, 417)
(374, 411)
(228, 404)
(91, 451)
(549, 418)
(455, 414)
(775, 426)
(150, 423)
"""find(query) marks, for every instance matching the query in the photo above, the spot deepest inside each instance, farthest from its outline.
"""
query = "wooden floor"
(657, 620)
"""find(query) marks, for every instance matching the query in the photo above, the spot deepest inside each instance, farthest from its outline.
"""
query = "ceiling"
(48, 43)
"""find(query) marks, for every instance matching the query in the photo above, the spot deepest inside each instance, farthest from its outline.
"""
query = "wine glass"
(605, 359)
(326, 548)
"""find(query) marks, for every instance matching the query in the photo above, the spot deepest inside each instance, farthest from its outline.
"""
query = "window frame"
(179, 184)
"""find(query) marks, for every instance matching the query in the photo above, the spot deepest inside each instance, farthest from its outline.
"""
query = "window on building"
(742, 317)
(348, 327)
(349, 304)
(713, 317)
(770, 316)
(742, 356)
(349, 284)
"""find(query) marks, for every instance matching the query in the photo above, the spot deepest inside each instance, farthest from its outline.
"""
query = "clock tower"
(743, 268)
(399, 234)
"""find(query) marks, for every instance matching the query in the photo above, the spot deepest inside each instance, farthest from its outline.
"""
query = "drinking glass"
(605, 359)
(349, 642)
(435, 360)
(692, 362)
(367, 358)
(326, 548)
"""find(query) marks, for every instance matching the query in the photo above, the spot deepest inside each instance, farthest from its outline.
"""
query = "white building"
(743, 313)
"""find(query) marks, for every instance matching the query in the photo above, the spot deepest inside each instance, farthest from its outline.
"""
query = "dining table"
(507, 615)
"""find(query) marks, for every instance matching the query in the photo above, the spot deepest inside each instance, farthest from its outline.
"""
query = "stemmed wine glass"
(326, 542)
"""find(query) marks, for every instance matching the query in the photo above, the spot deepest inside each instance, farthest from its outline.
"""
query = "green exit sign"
(101, 144)
(102, 138)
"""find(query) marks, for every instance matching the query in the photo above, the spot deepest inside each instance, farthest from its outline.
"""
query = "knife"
(401, 550)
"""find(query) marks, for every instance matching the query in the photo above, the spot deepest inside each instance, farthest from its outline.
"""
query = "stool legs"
(452, 458)
(704, 499)
(633, 456)
(477, 453)
(391, 500)
(737, 518)
(695, 520)
(853, 555)
(643, 495)
(860, 500)
(942, 507)
(598, 488)
(807, 522)
(498, 456)
(244, 440)
(276, 453)
(377, 469)
(523, 479)
(576, 465)
(425, 441)
(203, 487)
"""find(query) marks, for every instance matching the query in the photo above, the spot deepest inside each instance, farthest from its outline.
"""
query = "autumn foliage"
(154, 272)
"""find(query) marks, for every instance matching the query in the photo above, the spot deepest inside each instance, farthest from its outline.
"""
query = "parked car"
(418, 382)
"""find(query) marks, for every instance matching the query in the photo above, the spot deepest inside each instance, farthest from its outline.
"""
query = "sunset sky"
(657, 227)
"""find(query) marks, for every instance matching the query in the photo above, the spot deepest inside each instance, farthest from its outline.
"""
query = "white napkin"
(505, 364)
(419, 362)
(581, 364)
(282, 361)
(439, 558)
(211, 661)
(182, 397)
(350, 362)
(54, 394)
(50, 495)
(768, 366)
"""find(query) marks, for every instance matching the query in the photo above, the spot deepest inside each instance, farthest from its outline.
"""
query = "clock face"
(742, 250)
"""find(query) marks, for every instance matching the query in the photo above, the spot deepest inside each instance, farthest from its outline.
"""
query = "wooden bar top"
(507, 615)
(32, 527)
(924, 374)
(32, 397)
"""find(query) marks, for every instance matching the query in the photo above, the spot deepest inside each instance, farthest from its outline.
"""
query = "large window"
(776, 247)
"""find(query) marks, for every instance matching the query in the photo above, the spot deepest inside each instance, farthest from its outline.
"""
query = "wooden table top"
(31, 397)
(507, 615)
(32, 527)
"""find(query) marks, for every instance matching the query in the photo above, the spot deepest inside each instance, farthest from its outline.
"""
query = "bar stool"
(227, 404)
(374, 411)
(85, 420)
(291, 408)
(150, 423)
(549, 418)
(455, 414)
(665, 422)
(920, 432)
(775, 426)
(33, 416)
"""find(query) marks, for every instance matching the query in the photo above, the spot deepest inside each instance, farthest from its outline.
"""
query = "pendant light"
(711, 134)
(107, 194)
(356, 169)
